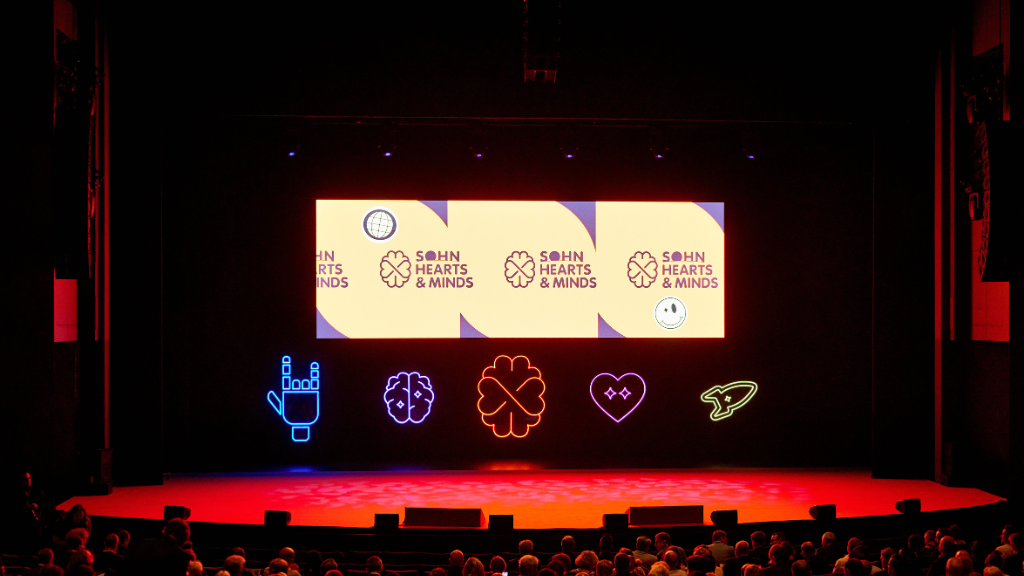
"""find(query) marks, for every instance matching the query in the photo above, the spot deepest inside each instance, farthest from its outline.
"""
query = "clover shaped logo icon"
(642, 269)
(511, 396)
(409, 397)
(395, 268)
(519, 269)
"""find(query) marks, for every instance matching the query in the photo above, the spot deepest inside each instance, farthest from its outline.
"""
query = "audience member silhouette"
(758, 548)
(568, 546)
(456, 560)
(674, 563)
(528, 565)
(1012, 563)
(643, 552)
(80, 564)
(161, 556)
(720, 548)
(830, 550)
(663, 542)
(741, 556)
(473, 567)
(587, 561)
(779, 560)
(108, 561)
(606, 547)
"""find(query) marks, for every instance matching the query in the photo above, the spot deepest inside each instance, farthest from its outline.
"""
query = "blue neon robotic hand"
(300, 399)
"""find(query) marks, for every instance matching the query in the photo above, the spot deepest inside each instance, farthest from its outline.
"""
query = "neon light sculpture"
(729, 398)
(511, 393)
(409, 397)
(299, 403)
(618, 396)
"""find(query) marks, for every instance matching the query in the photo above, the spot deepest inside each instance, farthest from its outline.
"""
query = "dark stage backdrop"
(239, 231)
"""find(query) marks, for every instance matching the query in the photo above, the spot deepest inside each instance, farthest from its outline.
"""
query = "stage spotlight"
(291, 143)
(659, 147)
(388, 141)
(476, 134)
(568, 142)
(277, 518)
(176, 512)
(751, 145)
(909, 506)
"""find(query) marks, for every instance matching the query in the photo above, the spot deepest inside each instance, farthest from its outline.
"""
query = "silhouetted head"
(623, 564)
(528, 565)
(587, 560)
(473, 567)
(234, 565)
(178, 530)
(606, 543)
(456, 558)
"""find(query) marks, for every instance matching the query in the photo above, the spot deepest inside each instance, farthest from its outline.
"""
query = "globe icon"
(379, 224)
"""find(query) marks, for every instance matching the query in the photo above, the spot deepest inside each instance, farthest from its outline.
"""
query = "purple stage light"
(659, 156)
(750, 156)
(387, 154)
(479, 155)
(569, 155)
(291, 153)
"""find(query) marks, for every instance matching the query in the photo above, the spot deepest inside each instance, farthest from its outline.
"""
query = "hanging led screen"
(517, 269)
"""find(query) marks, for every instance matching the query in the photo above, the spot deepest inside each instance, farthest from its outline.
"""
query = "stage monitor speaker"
(615, 522)
(909, 506)
(725, 517)
(826, 512)
(176, 512)
(277, 518)
(499, 522)
(385, 522)
(665, 515)
(444, 517)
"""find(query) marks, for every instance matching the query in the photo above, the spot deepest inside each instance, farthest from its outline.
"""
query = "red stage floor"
(538, 499)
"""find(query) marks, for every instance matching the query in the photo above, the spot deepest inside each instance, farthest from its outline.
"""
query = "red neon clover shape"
(511, 399)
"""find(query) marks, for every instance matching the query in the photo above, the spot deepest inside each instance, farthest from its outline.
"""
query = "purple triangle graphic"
(466, 329)
(716, 210)
(606, 331)
(440, 207)
(586, 212)
(324, 328)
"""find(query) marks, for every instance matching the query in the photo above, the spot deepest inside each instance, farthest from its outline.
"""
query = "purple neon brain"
(409, 396)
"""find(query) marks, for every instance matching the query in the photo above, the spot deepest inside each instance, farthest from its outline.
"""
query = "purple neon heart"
(643, 393)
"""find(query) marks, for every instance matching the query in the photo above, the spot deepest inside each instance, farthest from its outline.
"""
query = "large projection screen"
(518, 269)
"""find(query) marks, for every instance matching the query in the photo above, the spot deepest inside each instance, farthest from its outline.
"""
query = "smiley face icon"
(670, 313)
